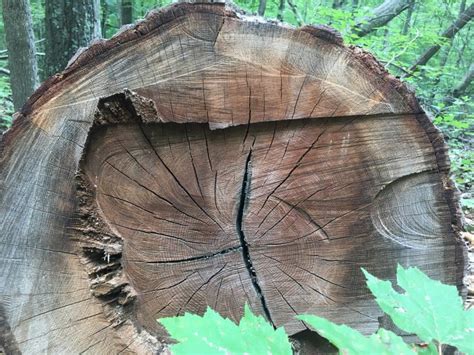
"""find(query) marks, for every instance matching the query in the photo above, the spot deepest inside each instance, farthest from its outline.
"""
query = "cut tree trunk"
(202, 158)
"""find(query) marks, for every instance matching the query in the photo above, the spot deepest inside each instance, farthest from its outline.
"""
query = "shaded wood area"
(200, 159)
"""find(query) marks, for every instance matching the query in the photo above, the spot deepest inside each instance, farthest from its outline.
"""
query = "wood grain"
(221, 137)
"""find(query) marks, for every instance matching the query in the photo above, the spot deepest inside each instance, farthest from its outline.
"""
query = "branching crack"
(193, 258)
(243, 242)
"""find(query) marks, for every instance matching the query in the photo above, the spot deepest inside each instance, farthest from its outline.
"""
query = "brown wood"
(201, 159)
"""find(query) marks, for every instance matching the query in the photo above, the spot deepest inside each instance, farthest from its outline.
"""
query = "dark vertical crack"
(243, 242)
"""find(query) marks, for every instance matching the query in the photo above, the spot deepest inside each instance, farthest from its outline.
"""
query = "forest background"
(427, 43)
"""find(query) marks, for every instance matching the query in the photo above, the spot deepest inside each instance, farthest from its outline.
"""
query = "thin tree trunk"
(70, 25)
(337, 4)
(449, 33)
(444, 55)
(126, 12)
(407, 24)
(261, 7)
(281, 10)
(442, 63)
(21, 50)
(381, 15)
(103, 20)
(294, 9)
(461, 88)
(466, 41)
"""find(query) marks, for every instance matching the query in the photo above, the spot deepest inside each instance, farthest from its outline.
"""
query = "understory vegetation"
(443, 84)
(431, 310)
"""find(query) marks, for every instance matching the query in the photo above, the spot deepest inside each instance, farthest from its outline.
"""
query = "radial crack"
(193, 258)
(243, 242)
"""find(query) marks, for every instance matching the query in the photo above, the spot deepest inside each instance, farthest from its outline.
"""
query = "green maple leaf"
(427, 308)
(350, 342)
(213, 334)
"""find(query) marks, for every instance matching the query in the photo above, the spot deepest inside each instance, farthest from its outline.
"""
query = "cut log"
(202, 158)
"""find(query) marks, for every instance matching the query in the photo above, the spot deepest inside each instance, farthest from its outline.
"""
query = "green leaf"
(428, 308)
(468, 203)
(350, 341)
(213, 334)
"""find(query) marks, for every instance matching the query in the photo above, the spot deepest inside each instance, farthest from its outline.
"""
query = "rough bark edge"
(99, 247)
(450, 192)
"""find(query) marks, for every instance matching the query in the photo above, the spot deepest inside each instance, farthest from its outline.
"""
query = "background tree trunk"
(103, 20)
(445, 53)
(407, 24)
(337, 4)
(201, 159)
(126, 12)
(262, 4)
(70, 25)
(281, 10)
(21, 50)
(449, 33)
(381, 15)
(296, 13)
(462, 86)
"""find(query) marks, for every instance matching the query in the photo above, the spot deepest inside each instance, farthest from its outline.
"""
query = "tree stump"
(205, 158)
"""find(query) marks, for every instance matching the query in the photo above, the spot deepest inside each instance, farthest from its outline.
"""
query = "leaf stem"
(440, 348)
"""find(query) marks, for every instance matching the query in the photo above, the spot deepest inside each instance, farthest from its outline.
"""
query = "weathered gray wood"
(211, 67)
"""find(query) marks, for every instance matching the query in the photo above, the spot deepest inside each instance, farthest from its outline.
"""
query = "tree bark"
(407, 24)
(126, 12)
(448, 34)
(337, 4)
(103, 19)
(262, 4)
(21, 50)
(281, 10)
(461, 87)
(381, 15)
(444, 55)
(294, 9)
(70, 25)
(202, 158)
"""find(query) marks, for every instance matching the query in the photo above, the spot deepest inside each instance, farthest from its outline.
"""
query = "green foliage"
(431, 310)
(427, 308)
(213, 334)
(351, 342)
